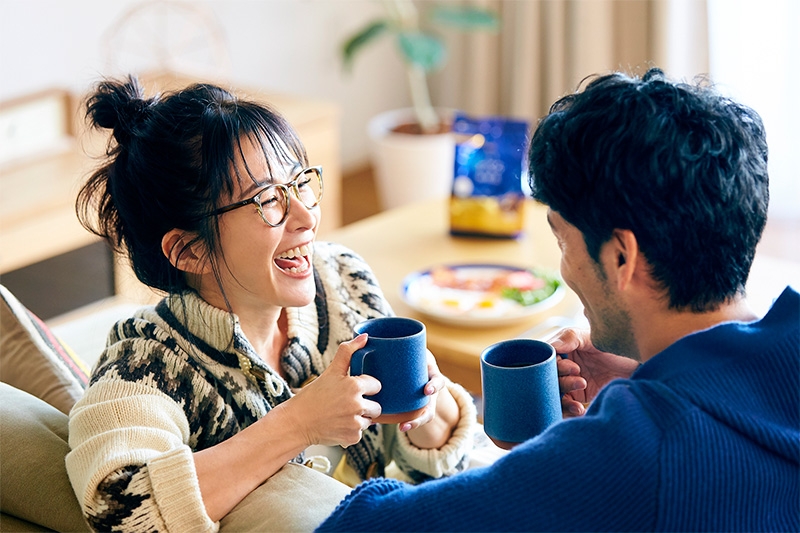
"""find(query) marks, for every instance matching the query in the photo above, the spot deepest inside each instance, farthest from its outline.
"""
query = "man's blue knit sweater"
(703, 436)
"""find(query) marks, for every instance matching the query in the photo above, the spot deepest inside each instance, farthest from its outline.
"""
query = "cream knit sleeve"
(445, 461)
(130, 466)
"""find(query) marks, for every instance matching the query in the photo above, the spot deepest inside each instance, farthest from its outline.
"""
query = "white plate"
(467, 307)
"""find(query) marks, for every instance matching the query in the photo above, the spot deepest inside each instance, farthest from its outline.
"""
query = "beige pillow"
(33, 359)
(34, 485)
(33, 477)
(296, 498)
(12, 524)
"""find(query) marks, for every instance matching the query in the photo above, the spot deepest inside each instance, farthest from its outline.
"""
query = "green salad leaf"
(528, 297)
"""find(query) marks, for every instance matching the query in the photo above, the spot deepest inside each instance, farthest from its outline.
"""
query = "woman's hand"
(586, 369)
(433, 428)
(332, 410)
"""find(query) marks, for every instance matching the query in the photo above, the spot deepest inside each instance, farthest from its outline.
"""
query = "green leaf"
(531, 296)
(464, 17)
(422, 49)
(363, 37)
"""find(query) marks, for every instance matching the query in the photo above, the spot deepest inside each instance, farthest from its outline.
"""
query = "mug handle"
(357, 361)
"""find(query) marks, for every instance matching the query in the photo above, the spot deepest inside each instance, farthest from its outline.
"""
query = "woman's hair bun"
(119, 106)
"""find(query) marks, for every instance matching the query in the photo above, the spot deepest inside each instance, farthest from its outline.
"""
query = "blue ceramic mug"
(519, 381)
(396, 354)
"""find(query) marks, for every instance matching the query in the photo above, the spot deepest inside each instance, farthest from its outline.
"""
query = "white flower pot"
(410, 167)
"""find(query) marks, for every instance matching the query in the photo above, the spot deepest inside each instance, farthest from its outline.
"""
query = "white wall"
(293, 46)
(755, 58)
(281, 45)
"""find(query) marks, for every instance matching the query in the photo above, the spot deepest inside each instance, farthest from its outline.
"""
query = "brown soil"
(415, 129)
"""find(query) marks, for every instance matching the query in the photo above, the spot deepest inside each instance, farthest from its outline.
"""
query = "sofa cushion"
(33, 359)
(35, 488)
(296, 498)
(12, 524)
(33, 477)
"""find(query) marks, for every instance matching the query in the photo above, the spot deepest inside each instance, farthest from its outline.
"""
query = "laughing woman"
(197, 401)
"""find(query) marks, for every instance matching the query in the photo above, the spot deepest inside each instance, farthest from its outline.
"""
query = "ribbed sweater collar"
(730, 339)
(219, 334)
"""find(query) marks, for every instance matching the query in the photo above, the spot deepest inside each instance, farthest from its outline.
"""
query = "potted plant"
(413, 149)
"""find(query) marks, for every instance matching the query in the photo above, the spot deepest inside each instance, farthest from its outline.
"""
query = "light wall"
(288, 46)
(755, 55)
(292, 46)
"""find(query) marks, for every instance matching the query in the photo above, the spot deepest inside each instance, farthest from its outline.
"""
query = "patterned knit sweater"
(181, 377)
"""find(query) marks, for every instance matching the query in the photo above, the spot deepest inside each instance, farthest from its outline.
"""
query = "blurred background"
(541, 50)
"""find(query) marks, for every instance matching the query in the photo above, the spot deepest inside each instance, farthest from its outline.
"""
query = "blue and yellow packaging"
(487, 198)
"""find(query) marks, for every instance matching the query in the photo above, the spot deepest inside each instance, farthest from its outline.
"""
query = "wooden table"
(416, 237)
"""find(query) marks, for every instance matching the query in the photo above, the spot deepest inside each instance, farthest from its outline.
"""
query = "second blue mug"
(521, 399)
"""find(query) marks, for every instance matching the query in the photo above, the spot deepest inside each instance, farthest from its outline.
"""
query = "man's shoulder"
(785, 311)
(641, 403)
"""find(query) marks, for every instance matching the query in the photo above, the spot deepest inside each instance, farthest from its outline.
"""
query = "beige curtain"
(546, 47)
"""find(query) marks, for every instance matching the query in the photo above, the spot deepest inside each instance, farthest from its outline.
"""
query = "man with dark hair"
(657, 193)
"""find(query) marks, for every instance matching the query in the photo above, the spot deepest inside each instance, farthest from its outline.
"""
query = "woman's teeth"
(295, 252)
(295, 260)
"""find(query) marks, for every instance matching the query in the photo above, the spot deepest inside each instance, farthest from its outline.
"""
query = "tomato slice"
(523, 280)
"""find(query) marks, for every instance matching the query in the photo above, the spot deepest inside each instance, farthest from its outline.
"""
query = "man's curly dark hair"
(681, 166)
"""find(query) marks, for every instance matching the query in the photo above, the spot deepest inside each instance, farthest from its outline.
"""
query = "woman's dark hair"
(168, 164)
(682, 167)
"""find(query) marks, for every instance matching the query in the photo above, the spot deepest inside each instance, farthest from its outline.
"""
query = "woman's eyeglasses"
(273, 201)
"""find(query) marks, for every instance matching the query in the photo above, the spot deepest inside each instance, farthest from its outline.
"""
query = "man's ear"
(626, 256)
(184, 252)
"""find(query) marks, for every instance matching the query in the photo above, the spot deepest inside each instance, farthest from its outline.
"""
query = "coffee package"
(487, 198)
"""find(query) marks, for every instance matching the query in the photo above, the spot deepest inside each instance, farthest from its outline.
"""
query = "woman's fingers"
(367, 385)
(436, 384)
(424, 417)
(372, 410)
(436, 380)
(341, 360)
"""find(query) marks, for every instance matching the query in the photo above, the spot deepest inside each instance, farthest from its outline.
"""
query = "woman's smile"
(295, 260)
